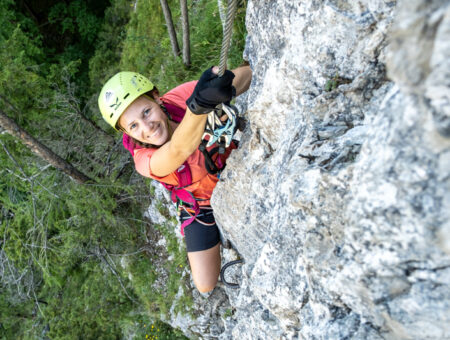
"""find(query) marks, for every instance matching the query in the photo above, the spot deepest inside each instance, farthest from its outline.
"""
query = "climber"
(163, 134)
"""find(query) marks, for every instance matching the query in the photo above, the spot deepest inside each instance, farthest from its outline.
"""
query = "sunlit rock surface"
(338, 197)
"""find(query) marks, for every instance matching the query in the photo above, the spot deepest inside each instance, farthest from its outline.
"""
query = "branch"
(102, 257)
(40, 149)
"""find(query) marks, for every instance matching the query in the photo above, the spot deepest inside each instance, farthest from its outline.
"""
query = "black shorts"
(198, 236)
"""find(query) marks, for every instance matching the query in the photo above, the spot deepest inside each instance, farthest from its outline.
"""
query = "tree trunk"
(41, 150)
(186, 40)
(170, 28)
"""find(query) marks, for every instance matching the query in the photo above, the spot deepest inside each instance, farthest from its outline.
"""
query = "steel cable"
(231, 13)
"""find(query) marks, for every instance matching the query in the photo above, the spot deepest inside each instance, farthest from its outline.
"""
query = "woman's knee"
(205, 285)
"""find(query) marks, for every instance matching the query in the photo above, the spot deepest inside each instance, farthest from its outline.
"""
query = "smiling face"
(145, 121)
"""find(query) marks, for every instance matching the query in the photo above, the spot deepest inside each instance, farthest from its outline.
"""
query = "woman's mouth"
(156, 132)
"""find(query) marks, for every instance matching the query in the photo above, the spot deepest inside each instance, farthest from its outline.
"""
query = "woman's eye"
(132, 126)
(146, 112)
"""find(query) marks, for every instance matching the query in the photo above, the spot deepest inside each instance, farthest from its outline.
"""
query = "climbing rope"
(218, 130)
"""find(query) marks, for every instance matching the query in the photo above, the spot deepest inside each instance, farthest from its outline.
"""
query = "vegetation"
(334, 82)
(79, 261)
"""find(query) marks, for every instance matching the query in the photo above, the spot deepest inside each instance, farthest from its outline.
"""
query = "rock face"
(338, 198)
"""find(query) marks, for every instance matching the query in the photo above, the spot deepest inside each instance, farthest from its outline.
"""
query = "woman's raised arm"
(209, 91)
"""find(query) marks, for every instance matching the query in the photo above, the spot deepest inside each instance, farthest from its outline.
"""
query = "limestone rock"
(338, 197)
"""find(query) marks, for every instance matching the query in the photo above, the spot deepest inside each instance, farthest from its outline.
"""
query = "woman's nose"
(147, 129)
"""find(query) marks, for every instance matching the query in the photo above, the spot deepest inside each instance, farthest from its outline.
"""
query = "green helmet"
(119, 92)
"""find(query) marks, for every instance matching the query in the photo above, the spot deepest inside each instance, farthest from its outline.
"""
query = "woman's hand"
(211, 90)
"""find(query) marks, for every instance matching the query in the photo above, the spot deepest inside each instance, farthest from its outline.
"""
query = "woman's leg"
(205, 267)
(203, 248)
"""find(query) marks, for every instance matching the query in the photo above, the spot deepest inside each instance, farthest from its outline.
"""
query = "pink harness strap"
(129, 144)
(184, 177)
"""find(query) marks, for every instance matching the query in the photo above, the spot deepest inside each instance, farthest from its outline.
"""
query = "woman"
(161, 146)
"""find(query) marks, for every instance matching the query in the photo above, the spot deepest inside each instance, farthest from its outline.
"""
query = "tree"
(186, 40)
(170, 28)
(66, 100)
(40, 149)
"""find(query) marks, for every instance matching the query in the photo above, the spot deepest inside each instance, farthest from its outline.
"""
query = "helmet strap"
(169, 119)
(169, 127)
(165, 111)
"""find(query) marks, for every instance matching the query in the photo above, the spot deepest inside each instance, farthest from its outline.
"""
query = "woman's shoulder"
(141, 159)
(178, 95)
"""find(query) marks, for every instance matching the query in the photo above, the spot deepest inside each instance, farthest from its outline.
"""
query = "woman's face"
(145, 121)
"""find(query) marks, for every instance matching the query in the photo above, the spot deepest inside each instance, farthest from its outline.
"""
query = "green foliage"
(147, 46)
(228, 313)
(158, 330)
(87, 306)
(6, 18)
(80, 261)
(105, 61)
(334, 82)
(75, 17)
(20, 79)
(16, 318)
(11, 17)
(331, 84)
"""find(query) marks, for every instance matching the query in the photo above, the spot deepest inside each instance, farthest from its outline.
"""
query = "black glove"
(210, 91)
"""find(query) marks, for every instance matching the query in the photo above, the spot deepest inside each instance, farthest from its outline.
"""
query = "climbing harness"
(222, 273)
(180, 195)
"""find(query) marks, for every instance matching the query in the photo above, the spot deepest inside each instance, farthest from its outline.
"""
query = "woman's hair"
(144, 145)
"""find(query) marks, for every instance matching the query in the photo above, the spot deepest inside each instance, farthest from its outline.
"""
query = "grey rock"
(338, 197)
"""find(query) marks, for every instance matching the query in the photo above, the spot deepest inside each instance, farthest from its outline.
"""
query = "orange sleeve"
(180, 94)
(142, 161)
(142, 164)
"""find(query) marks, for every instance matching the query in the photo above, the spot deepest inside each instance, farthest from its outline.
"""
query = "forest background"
(63, 244)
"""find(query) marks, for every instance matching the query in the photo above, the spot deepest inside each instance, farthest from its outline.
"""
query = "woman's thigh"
(203, 248)
(205, 267)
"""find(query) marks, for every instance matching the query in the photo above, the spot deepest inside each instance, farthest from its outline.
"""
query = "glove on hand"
(210, 91)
